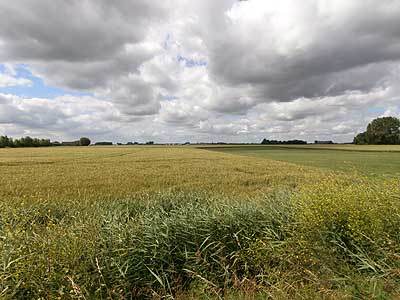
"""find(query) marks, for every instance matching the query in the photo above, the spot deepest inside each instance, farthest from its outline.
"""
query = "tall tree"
(84, 141)
(381, 131)
(361, 139)
(384, 130)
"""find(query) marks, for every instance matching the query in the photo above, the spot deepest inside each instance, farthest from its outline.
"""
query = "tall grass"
(129, 248)
(333, 239)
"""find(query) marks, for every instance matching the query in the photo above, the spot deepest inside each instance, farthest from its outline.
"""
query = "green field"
(366, 160)
(188, 223)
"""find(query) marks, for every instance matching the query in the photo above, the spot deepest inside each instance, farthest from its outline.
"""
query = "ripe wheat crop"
(187, 223)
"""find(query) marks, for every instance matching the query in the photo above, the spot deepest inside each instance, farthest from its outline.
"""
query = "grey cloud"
(64, 114)
(336, 48)
(232, 99)
(225, 129)
(91, 46)
(179, 113)
(35, 114)
(72, 30)
(83, 75)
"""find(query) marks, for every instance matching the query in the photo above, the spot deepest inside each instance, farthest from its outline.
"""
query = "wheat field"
(178, 222)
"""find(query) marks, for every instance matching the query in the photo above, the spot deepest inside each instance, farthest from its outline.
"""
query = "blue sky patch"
(38, 89)
(191, 63)
(169, 98)
(376, 109)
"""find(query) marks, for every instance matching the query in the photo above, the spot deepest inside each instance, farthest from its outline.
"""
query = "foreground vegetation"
(184, 223)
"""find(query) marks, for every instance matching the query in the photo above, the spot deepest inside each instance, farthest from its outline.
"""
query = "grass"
(367, 160)
(185, 223)
(346, 147)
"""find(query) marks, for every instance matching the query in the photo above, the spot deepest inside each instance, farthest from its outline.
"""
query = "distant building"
(290, 142)
(324, 142)
(74, 143)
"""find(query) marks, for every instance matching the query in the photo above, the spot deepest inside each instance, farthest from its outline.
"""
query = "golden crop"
(93, 172)
(178, 222)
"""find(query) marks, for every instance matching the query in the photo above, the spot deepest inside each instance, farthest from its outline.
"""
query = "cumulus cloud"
(91, 46)
(74, 30)
(58, 114)
(9, 78)
(235, 70)
(289, 49)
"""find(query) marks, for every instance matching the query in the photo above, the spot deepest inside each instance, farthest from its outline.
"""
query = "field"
(182, 222)
(369, 160)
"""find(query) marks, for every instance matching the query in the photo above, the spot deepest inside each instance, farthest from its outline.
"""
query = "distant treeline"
(290, 142)
(27, 141)
(6, 141)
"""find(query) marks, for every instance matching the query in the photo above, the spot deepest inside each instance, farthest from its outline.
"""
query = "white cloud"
(8, 80)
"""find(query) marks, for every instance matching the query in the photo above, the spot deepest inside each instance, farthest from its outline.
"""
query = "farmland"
(188, 223)
(370, 160)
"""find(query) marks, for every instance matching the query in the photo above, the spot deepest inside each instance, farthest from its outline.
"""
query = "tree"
(384, 130)
(361, 139)
(381, 131)
(84, 141)
(26, 141)
(4, 141)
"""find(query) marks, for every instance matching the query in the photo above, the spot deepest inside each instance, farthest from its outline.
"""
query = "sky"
(198, 71)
